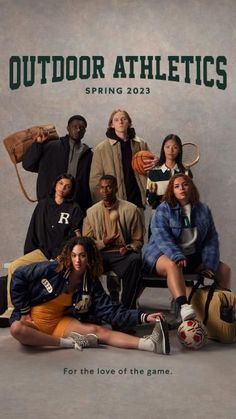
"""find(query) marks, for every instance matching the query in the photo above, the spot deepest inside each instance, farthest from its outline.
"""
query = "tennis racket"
(190, 155)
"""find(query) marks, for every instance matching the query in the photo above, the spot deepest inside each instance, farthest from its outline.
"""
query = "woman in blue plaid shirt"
(184, 240)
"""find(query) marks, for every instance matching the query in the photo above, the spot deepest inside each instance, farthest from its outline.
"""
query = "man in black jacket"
(67, 154)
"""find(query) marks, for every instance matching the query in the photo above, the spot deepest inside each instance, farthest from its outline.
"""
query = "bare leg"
(26, 335)
(29, 336)
(176, 285)
(222, 275)
(157, 342)
(107, 336)
(175, 280)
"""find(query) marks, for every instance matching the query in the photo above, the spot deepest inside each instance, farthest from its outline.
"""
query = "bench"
(154, 281)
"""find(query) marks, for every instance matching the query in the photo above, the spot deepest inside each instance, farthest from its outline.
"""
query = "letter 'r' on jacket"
(167, 227)
(107, 160)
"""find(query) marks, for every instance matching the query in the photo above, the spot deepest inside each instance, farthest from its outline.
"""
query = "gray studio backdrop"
(87, 28)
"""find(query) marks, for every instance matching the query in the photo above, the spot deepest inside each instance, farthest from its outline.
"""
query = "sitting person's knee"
(168, 267)
(16, 330)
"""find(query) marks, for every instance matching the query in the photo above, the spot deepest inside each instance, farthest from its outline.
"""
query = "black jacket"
(50, 159)
(38, 283)
(52, 225)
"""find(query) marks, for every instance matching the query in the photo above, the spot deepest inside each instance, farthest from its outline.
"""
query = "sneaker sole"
(165, 335)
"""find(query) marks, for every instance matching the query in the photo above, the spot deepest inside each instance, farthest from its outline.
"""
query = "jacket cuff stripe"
(25, 310)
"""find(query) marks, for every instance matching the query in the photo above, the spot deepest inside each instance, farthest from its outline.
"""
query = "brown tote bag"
(18, 143)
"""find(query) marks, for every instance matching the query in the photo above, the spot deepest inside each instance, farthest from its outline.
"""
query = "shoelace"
(81, 342)
(77, 347)
(155, 333)
(154, 336)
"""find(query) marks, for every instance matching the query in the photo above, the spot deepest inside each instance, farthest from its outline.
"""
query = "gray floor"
(49, 383)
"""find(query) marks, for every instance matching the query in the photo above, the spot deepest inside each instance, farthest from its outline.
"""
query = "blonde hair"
(116, 111)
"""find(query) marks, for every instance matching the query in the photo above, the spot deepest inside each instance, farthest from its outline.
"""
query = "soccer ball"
(192, 334)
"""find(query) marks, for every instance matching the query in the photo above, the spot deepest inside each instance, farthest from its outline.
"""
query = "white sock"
(146, 344)
(67, 343)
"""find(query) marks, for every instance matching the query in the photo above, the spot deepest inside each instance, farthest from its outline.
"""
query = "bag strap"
(22, 186)
(209, 295)
(208, 300)
(199, 282)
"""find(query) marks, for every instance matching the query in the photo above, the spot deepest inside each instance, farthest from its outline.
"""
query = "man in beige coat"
(117, 229)
(113, 156)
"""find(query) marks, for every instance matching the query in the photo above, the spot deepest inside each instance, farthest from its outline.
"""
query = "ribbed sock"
(181, 300)
(146, 344)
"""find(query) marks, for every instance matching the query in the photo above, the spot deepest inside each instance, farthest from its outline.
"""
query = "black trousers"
(128, 268)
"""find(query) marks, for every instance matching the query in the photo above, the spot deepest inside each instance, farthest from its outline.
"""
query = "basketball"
(192, 334)
(138, 161)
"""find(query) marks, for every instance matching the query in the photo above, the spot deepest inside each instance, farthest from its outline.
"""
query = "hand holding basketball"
(150, 163)
(143, 161)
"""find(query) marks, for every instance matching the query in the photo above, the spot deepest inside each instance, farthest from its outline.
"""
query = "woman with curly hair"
(184, 240)
(53, 302)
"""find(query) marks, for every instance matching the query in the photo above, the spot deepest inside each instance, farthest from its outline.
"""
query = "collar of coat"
(65, 140)
(111, 134)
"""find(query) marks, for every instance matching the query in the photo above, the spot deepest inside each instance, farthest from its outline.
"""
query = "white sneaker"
(84, 341)
(160, 336)
(187, 312)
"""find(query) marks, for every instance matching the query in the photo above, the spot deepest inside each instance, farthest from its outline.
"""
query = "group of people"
(92, 221)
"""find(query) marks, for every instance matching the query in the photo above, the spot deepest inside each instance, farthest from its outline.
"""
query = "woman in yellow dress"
(53, 300)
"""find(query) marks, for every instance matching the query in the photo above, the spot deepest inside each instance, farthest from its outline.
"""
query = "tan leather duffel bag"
(18, 143)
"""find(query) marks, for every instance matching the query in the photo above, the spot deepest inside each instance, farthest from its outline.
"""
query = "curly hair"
(169, 196)
(94, 259)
